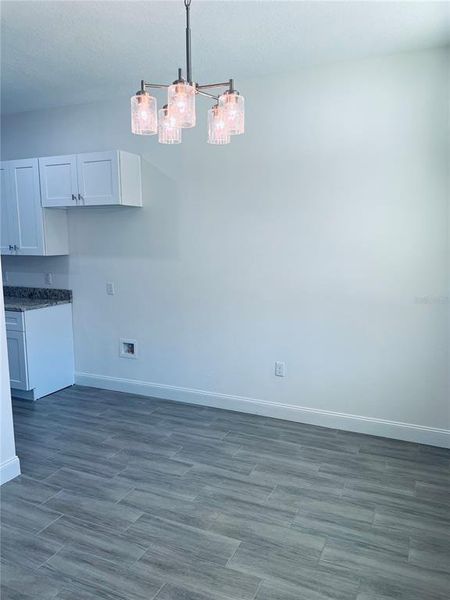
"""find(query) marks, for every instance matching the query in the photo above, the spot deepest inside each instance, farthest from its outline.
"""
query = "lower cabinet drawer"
(17, 356)
(14, 320)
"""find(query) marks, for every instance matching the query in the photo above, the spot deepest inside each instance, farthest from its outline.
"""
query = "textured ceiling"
(63, 52)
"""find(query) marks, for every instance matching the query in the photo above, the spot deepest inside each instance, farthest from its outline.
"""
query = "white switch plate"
(49, 278)
(110, 288)
(280, 368)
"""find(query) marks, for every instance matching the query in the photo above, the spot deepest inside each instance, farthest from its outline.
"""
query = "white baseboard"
(325, 418)
(22, 394)
(9, 469)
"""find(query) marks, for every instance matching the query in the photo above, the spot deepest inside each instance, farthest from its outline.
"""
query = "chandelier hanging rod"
(187, 4)
(229, 83)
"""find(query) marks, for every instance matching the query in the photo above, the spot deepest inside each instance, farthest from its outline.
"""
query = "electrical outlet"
(280, 369)
(48, 278)
(127, 348)
(110, 288)
(6, 277)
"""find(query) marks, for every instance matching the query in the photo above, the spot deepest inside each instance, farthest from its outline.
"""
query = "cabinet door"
(59, 186)
(98, 178)
(26, 218)
(18, 372)
(6, 236)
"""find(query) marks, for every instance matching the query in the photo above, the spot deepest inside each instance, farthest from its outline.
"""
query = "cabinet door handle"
(80, 198)
(74, 198)
(11, 247)
(15, 248)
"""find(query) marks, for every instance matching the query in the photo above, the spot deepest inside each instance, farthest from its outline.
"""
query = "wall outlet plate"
(127, 348)
(280, 368)
(48, 278)
(110, 288)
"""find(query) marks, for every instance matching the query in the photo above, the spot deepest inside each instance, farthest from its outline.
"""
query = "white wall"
(9, 463)
(319, 238)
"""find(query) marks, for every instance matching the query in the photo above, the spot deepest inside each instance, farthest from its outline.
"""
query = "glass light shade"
(233, 105)
(143, 114)
(168, 130)
(218, 132)
(181, 102)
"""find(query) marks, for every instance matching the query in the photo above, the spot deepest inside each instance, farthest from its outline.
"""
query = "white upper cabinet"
(91, 179)
(59, 184)
(32, 188)
(99, 178)
(6, 240)
(27, 228)
(25, 217)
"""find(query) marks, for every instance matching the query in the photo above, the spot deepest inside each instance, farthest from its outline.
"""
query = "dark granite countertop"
(19, 299)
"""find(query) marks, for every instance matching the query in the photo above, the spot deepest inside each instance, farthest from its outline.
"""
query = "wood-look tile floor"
(128, 498)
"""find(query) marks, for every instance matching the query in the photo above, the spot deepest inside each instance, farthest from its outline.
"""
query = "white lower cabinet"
(25, 227)
(40, 350)
(18, 374)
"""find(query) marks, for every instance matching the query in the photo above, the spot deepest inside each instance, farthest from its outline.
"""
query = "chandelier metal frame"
(229, 105)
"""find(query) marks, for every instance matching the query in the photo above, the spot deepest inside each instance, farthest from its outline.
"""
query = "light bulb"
(218, 130)
(143, 114)
(168, 130)
(181, 102)
(234, 106)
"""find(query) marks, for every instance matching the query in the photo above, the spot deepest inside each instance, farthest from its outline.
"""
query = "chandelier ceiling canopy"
(225, 118)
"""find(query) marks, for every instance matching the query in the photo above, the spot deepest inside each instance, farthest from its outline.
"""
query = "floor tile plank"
(124, 497)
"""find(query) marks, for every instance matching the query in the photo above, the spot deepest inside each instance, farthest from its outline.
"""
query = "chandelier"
(225, 117)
